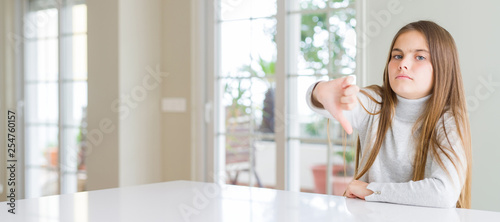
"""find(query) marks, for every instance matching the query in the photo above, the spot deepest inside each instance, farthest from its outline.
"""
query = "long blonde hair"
(447, 95)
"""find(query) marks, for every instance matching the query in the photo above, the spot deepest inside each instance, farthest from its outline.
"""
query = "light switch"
(173, 105)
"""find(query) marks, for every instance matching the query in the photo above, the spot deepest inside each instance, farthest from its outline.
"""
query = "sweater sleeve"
(357, 116)
(438, 188)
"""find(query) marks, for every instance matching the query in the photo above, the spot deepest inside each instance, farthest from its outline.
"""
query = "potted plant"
(340, 180)
(51, 154)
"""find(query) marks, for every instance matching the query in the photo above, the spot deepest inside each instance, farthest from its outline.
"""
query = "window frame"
(208, 98)
(21, 83)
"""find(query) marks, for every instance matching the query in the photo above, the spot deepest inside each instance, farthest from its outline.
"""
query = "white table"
(194, 201)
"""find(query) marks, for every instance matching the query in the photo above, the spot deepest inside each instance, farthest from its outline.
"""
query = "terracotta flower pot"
(52, 156)
(339, 183)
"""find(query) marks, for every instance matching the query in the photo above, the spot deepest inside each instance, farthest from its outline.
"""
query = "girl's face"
(410, 68)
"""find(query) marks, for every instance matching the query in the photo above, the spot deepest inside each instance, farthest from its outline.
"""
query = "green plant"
(314, 128)
(237, 107)
(349, 160)
(79, 136)
(320, 53)
(349, 155)
(265, 71)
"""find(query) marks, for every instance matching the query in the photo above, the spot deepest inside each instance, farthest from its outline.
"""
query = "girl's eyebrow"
(416, 50)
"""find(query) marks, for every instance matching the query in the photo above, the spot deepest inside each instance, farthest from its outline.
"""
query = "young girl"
(414, 137)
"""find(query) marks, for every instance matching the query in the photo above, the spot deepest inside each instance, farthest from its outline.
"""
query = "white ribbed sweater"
(391, 173)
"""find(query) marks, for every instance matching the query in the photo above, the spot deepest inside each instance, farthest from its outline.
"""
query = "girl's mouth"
(403, 77)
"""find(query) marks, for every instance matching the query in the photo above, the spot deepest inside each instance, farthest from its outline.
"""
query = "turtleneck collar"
(408, 110)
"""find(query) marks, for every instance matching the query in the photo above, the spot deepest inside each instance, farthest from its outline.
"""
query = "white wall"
(139, 58)
(139, 51)
(130, 141)
(124, 93)
(103, 89)
(3, 44)
(7, 81)
(176, 60)
(473, 24)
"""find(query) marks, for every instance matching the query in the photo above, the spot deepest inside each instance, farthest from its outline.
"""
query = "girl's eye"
(420, 58)
(397, 56)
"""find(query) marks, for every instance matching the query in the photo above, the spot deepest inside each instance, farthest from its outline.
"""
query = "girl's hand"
(337, 95)
(357, 189)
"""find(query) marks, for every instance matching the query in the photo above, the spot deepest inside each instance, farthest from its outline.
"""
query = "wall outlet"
(173, 105)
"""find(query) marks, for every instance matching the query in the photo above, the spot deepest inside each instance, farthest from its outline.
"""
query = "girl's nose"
(403, 64)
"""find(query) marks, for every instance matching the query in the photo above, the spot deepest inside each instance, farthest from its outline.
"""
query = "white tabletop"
(194, 201)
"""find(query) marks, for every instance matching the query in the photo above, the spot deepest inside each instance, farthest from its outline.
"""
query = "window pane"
(245, 9)
(343, 31)
(42, 148)
(41, 21)
(74, 57)
(69, 183)
(341, 3)
(41, 182)
(244, 153)
(237, 129)
(303, 122)
(313, 167)
(263, 8)
(75, 14)
(308, 135)
(42, 60)
(235, 48)
(248, 130)
(263, 100)
(235, 103)
(235, 9)
(37, 5)
(42, 103)
(72, 139)
(312, 156)
(321, 43)
(244, 44)
(30, 61)
(48, 63)
(75, 102)
(309, 46)
(263, 104)
(297, 5)
(249, 100)
(265, 163)
(79, 18)
(45, 71)
(79, 57)
(73, 161)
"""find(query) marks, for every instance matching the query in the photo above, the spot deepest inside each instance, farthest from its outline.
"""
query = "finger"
(352, 195)
(351, 90)
(349, 194)
(343, 121)
(348, 99)
(348, 106)
(349, 80)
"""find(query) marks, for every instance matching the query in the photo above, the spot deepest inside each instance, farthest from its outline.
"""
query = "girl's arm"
(353, 114)
(439, 188)
(331, 98)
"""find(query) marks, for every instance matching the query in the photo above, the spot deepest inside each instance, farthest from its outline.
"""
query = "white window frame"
(22, 8)
(205, 42)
